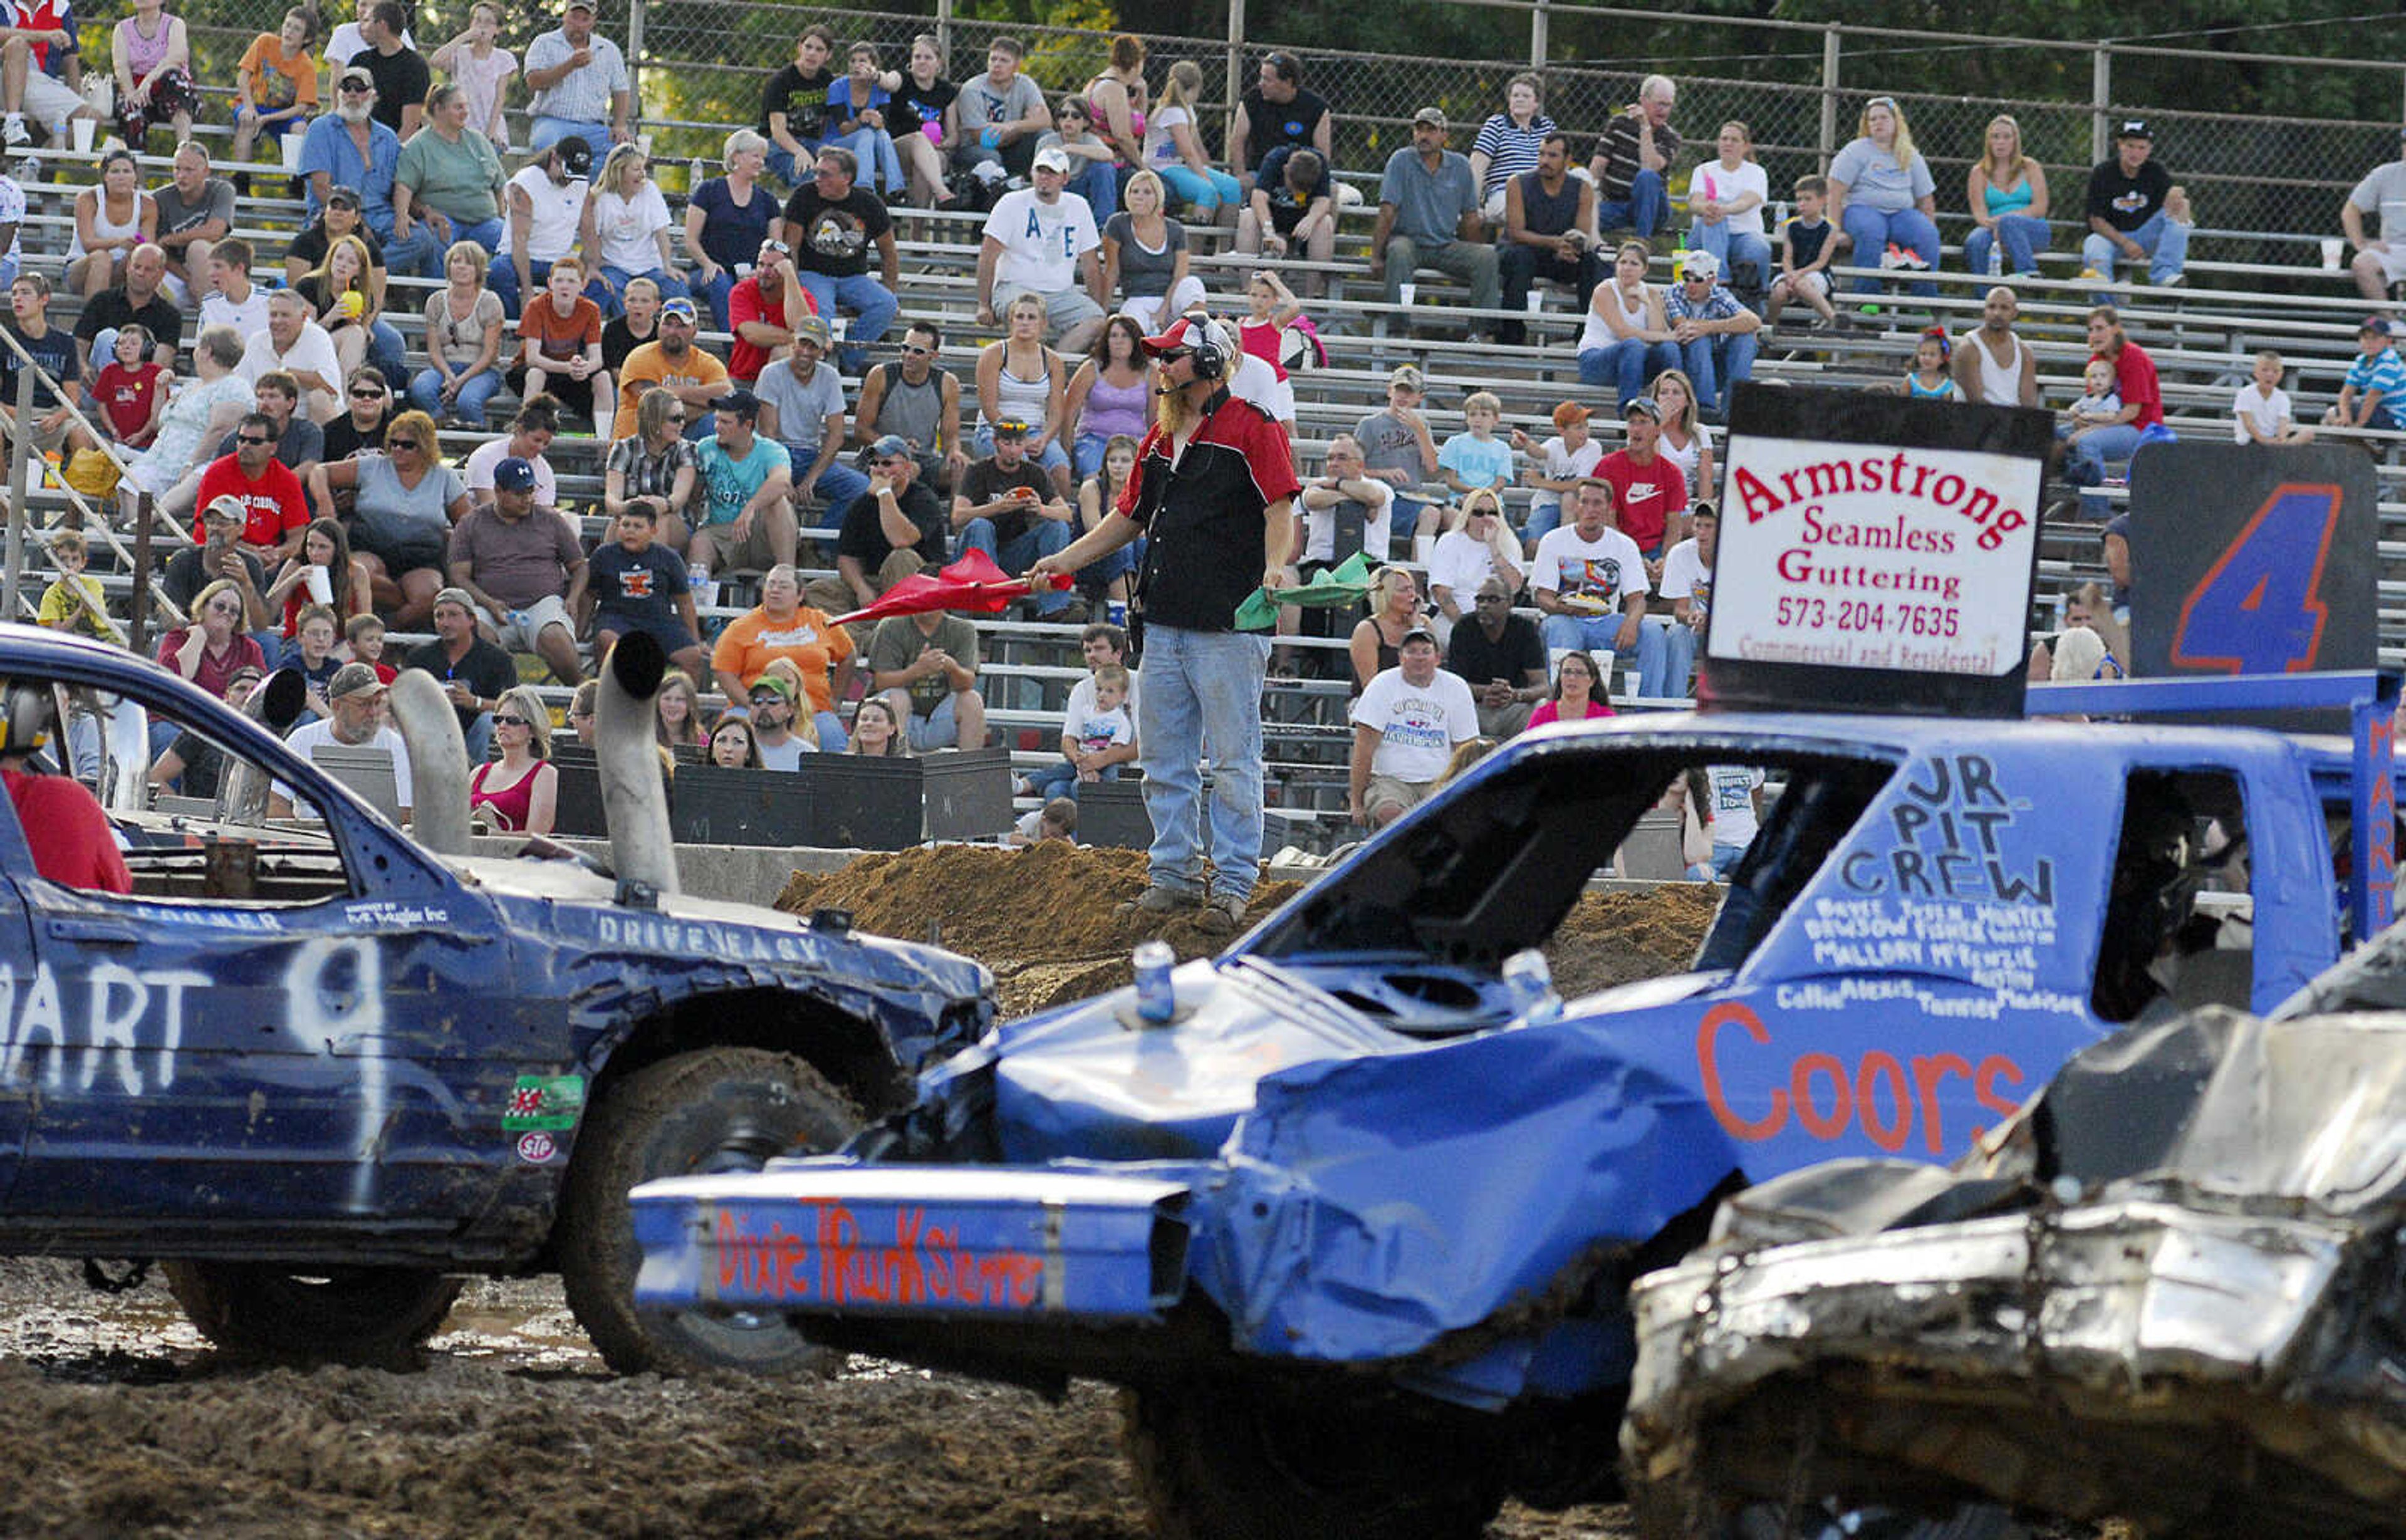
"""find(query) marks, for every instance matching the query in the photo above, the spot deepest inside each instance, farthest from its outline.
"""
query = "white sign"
(1870, 556)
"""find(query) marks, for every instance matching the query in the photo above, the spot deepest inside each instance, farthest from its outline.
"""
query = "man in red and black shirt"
(2143, 407)
(1213, 495)
(275, 511)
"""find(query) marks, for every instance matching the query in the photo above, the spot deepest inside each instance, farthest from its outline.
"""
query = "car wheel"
(378, 1316)
(1218, 1461)
(714, 1110)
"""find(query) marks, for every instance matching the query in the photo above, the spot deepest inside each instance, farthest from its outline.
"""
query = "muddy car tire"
(1224, 1462)
(1661, 1516)
(375, 1316)
(714, 1110)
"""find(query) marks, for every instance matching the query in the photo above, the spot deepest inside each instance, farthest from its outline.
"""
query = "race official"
(1214, 493)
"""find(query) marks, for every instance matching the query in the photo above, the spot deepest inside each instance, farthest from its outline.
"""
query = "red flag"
(973, 583)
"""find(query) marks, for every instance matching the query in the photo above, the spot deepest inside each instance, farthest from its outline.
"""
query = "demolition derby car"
(2169, 1291)
(319, 1068)
(1352, 1208)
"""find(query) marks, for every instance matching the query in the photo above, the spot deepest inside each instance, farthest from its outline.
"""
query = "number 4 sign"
(2250, 559)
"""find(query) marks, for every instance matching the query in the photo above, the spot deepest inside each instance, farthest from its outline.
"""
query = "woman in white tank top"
(111, 219)
(1627, 339)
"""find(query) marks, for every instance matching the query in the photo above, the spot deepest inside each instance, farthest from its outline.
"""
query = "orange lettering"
(1808, 1117)
(1876, 1066)
(1928, 1071)
(1710, 1066)
(1994, 1067)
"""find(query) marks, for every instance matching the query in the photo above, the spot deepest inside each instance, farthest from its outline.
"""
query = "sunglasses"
(510, 719)
(366, 393)
(915, 351)
(356, 88)
(679, 420)
(1489, 599)
(768, 697)
(405, 444)
(251, 438)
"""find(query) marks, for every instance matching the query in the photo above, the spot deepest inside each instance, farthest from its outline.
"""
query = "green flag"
(1341, 585)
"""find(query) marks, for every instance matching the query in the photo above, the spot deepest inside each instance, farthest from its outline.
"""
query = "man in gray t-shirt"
(999, 115)
(1397, 445)
(2378, 264)
(1428, 217)
(195, 211)
(807, 399)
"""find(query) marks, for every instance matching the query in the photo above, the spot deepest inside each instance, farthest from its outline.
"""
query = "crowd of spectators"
(299, 434)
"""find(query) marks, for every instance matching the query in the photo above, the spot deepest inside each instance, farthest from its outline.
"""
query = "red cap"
(1175, 339)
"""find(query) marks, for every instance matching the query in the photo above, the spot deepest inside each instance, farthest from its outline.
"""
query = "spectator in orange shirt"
(560, 344)
(672, 362)
(785, 627)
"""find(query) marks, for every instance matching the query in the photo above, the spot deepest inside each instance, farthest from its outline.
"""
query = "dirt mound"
(1046, 918)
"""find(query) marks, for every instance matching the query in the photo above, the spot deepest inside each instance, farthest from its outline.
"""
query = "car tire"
(375, 1316)
(1660, 1517)
(714, 1109)
(1223, 1462)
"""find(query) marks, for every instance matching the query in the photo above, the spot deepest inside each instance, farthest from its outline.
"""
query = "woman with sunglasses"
(369, 398)
(1882, 195)
(464, 326)
(657, 461)
(406, 502)
(214, 645)
(519, 792)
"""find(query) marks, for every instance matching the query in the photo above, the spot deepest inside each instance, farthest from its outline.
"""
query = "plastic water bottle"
(1156, 998)
(1996, 258)
(1531, 983)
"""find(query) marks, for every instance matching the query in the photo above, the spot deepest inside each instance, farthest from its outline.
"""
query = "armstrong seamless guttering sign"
(1875, 553)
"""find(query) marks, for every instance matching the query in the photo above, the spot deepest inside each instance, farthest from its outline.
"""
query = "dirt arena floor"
(120, 1424)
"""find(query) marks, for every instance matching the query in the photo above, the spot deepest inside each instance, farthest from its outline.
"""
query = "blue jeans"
(1728, 248)
(1666, 650)
(1874, 232)
(1724, 861)
(782, 164)
(1717, 362)
(426, 394)
(420, 256)
(1544, 520)
(1202, 696)
(1099, 185)
(2084, 464)
(715, 292)
(385, 351)
(1595, 633)
(545, 131)
(1627, 365)
(873, 149)
(1203, 190)
(1042, 537)
(1647, 206)
(671, 288)
(478, 736)
(832, 738)
(838, 484)
(2022, 236)
(873, 305)
(2164, 240)
(1062, 780)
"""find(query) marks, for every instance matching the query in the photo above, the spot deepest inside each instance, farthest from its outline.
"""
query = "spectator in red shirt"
(2143, 407)
(65, 831)
(209, 650)
(276, 511)
(1648, 488)
(761, 312)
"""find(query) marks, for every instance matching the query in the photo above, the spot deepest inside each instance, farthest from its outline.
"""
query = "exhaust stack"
(634, 801)
(438, 762)
(276, 705)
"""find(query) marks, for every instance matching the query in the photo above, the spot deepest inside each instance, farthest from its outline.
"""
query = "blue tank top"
(2020, 196)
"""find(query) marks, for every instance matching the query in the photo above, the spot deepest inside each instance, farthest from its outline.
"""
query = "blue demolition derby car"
(318, 1068)
(1354, 1219)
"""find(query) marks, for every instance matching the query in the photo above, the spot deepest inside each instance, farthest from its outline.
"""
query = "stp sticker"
(536, 1147)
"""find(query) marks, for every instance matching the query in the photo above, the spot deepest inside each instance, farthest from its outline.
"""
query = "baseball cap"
(585, 5)
(575, 155)
(227, 507)
(743, 403)
(350, 679)
(1052, 158)
(346, 196)
(1431, 115)
(1417, 634)
(1700, 265)
(454, 596)
(772, 682)
(2133, 128)
(1641, 406)
(678, 306)
(356, 72)
(1407, 374)
(815, 329)
(889, 445)
(1184, 333)
(253, 672)
(1569, 412)
(1010, 428)
(2381, 324)
(514, 476)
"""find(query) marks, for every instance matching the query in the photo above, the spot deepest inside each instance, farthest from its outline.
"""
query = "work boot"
(1225, 915)
(1158, 901)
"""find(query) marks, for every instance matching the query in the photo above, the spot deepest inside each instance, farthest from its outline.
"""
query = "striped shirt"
(1510, 149)
(2384, 372)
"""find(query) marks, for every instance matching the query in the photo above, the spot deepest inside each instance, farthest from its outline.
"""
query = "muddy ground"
(119, 1423)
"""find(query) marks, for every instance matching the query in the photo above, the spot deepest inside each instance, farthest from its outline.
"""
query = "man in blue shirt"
(1428, 217)
(2374, 383)
(348, 148)
(1714, 332)
(747, 493)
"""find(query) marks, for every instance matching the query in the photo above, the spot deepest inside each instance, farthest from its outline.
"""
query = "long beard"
(351, 114)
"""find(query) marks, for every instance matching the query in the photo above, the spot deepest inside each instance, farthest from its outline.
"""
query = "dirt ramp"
(1046, 919)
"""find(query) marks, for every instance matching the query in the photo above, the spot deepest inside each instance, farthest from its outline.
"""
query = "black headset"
(1207, 342)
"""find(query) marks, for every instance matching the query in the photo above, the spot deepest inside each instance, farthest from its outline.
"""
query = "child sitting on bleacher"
(1471, 458)
(74, 602)
(131, 393)
(1807, 245)
(312, 651)
(1096, 739)
(2101, 405)
(365, 636)
(2262, 407)
(1056, 820)
(1929, 379)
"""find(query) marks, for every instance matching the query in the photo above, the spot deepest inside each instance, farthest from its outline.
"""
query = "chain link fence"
(2264, 187)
